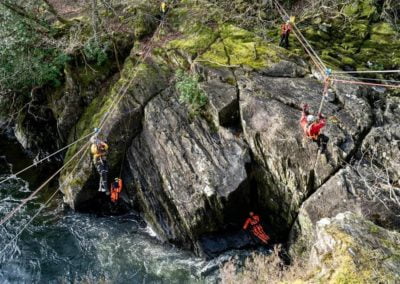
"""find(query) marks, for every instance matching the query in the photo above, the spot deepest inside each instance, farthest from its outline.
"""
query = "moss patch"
(360, 40)
(239, 47)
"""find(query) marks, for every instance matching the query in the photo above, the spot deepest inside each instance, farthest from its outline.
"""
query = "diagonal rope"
(43, 206)
(366, 79)
(112, 108)
(310, 51)
(45, 158)
(30, 197)
(326, 87)
(366, 83)
(122, 92)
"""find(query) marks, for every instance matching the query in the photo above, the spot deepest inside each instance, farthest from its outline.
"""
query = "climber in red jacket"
(312, 127)
(256, 228)
(286, 28)
(116, 188)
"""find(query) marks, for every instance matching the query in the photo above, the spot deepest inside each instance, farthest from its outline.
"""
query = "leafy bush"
(95, 52)
(190, 92)
(26, 59)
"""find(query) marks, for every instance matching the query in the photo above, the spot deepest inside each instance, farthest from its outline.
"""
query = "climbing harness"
(327, 82)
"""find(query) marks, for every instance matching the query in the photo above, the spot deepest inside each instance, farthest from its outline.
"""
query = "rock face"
(195, 178)
(382, 145)
(348, 190)
(186, 173)
(122, 121)
(353, 250)
(291, 167)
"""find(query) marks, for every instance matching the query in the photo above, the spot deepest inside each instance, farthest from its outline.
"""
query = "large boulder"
(352, 250)
(187, 173)
(352, 189)
(290, 165)
(382, 144)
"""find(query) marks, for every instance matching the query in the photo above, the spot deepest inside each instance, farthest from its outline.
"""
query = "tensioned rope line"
(367, 79)
(122, 92)
(45, 158)
(22, 229)
(317, 64)
(366, 71)
(320, 64)
(365, 83)
(25, 200)
(103, 121)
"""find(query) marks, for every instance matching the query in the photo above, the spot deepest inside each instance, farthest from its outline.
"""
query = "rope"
(366, 71)
(317, 61)
(30, 197)
(21, 230)
(326, 87)
(101, 125)
(45, 158)
(305, 40)
(125, 88)
(369, 79)
(365, 83)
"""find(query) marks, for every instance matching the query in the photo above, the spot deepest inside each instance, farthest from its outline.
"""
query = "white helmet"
(311, 118)
(94, 139)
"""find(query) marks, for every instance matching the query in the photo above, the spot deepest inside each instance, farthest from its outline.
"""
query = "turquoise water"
(62, 246)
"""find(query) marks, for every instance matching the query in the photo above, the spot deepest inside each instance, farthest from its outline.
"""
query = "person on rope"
(312, 127)
(163, 7)
(286, 28)
(256, 228)
(99, 151)
(116, 188)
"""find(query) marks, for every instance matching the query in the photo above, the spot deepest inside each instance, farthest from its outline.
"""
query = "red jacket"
(313, 130)
(251, 221)
(286, 28)
(116, 190)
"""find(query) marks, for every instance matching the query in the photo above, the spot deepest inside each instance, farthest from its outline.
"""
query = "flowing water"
(62, 246)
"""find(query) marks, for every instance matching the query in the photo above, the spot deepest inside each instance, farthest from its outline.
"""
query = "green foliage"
(26, 59)
(96, 52)
(190, 92)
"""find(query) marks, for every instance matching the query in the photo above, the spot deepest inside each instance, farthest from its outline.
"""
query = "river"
(62, 246)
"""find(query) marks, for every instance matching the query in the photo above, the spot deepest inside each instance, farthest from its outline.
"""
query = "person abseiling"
(286, 28)
(256, 228)
(99, 151)
(312, 127)
(163, 7)
(116, 188)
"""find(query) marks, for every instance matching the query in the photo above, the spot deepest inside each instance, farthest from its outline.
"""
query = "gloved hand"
(320, 116)
(305, 107)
